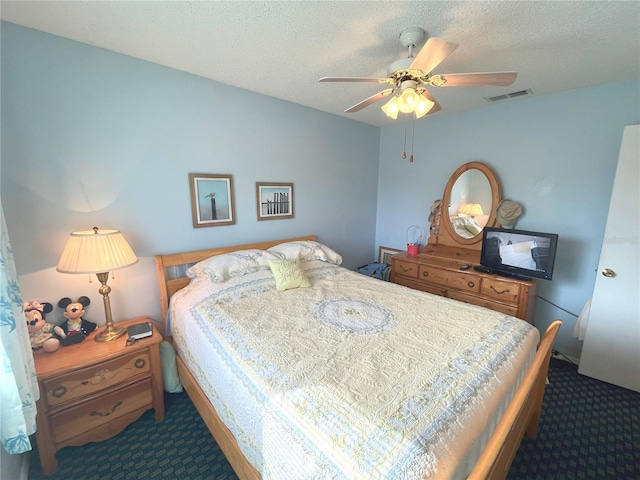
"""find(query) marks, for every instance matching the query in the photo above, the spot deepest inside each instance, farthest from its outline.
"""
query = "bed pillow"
(473, 227)
(306, 250)
(222, 267)
(459, 227)
(170, 380)
(288, 274)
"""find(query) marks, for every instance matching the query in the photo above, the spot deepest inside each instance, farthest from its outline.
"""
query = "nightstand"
(92, 390)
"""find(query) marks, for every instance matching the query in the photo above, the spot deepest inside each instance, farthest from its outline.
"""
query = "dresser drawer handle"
(406, 269)
(471, 284)
(499, 293)
(59, 391)
(425, 274)
(106, 414)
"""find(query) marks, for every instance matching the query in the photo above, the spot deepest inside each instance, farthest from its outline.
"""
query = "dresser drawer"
(92, 379)
(98, 411)
(503, 291)
(407, 269)
(483, 302)
(450, 279)
(423, 286)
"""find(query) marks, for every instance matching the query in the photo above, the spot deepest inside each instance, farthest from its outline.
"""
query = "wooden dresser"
(92, 390)
(437, 270)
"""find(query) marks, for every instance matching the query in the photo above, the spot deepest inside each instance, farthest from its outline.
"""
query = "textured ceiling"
(281, 49)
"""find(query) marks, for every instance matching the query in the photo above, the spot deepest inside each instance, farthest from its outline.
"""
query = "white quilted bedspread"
(353, 378)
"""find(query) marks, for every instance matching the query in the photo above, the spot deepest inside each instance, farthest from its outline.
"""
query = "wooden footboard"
(522, 414)
(223, 436)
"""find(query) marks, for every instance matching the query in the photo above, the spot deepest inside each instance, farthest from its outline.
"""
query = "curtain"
(19, 391)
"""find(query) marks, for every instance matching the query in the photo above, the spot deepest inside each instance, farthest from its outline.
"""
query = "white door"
(611, 350)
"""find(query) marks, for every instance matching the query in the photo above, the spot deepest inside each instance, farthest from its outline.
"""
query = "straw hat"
(508, 212)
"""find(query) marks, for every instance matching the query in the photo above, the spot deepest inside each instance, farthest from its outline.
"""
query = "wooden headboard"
(172, 268)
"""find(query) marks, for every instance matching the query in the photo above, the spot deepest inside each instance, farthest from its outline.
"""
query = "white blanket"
(352, 378)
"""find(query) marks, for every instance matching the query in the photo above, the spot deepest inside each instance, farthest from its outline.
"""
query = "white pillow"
(459, 227)
(306, 250)
(222, 267)
(473, 227)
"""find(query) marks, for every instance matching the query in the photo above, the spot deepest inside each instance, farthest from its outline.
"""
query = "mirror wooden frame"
(445, 233)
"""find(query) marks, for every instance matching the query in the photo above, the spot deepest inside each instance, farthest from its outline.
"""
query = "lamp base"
(110, 333)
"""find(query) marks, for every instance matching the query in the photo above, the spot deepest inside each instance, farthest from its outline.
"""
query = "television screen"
(519, 253)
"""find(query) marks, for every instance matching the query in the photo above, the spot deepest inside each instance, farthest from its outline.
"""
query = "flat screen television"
(519, 253)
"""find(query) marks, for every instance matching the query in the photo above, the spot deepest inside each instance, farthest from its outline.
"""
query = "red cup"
(413, 249)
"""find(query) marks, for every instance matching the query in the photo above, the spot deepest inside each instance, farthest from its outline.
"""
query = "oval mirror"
(469, 202)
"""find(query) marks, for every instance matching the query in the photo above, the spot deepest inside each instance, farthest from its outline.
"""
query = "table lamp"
(472, 209)
(100, 252)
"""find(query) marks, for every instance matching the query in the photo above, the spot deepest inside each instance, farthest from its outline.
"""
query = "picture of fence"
(275, 200)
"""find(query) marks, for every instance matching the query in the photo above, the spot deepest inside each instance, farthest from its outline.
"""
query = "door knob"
(607, 272)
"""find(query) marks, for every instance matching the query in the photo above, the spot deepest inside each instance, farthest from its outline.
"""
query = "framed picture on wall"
(274, 200)
(211, 200)
(384, 254)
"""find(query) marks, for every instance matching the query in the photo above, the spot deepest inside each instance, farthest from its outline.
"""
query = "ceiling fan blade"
(355, 79)
(368, 101)
(436, 106)
(479, 79)
(432, 54)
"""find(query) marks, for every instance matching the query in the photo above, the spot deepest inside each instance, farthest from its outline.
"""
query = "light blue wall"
(555, 154)
(91, 137)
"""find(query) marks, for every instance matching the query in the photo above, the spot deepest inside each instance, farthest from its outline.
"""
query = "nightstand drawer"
(450, 279)
(95, 378)
(503, 291)
(98, 411)
(407, 269)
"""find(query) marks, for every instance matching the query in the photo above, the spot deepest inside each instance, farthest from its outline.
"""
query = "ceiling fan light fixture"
(391, 108)
(424, 106)
(408, 100)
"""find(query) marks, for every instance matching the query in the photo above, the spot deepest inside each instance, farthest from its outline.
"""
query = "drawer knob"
(140, 363)
(59, 391)
(506, 290)
(425, 274)
(471, 284)
(106, 414)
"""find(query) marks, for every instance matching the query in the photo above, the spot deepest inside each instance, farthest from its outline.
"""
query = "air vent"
(506, 96)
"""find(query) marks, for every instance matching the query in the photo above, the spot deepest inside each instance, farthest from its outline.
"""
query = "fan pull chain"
(404, 148)
(413, 134)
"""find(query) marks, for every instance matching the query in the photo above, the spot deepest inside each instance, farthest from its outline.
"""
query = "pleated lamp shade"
(472, 209)
(96, 251)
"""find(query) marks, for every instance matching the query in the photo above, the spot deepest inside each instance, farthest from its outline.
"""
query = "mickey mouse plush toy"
(75, 327)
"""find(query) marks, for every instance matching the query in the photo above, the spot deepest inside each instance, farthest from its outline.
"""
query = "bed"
(303, 382)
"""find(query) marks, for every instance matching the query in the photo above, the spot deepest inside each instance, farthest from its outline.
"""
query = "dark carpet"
(589, 430)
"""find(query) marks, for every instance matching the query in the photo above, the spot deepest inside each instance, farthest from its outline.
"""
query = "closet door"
(611, 350)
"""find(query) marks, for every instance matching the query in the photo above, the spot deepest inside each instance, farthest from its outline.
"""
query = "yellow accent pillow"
(288, 274)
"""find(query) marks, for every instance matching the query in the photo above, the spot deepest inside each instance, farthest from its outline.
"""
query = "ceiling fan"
(410, 76)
